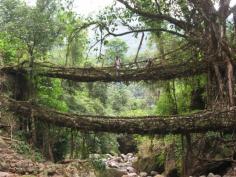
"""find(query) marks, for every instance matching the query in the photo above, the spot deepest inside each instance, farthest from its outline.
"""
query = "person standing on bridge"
(117, 65)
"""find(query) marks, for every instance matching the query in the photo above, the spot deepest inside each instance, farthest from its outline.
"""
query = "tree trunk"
(174, 97)
(234, 18)
(50, 153)
(72, 144)
(219, 80)
(209, 89)
(230, 81)
(188, 155)
(33, 128)
(139, 47)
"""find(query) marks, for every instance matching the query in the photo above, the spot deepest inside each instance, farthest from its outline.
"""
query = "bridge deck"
(109, 74)
(205, 121)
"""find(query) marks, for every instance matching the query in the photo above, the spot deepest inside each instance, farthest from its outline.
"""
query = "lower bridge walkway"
(209, 120)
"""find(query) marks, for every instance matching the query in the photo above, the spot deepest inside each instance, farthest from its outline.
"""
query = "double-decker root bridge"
(224, 120)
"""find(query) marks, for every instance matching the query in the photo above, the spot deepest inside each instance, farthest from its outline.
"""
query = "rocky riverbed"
(13, 164)
(122, 166)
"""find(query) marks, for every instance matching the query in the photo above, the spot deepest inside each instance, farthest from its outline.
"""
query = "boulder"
(118, 159)
(114, 172)
(113, 164)
(153, 173)
(109, 156)
(130, 169)
(158, 175)
(210, 175)
(132, 175)
(124, 157)
(143, 174)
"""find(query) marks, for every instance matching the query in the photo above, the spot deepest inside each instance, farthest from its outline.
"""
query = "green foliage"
(36, 27)
(165, 106)
(76, 46)
(8, 48)
(178, 95)
(115, 47)
(160, 158)
(60, 148)
(117, 97)
(99, 91)
(98, 164)
(101, 143)
(80, 102)
(23, 148)
(50, 93)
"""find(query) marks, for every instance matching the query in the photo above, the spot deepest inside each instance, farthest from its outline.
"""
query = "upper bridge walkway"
(129, 72)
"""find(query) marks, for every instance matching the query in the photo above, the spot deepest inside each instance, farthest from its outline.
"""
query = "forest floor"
(13, 164)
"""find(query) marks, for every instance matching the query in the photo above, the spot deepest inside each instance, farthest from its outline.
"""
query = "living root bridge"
(224, 121)
(109, 74)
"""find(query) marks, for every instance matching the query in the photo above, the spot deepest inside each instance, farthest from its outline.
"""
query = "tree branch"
(224, 9)
(146, 30)
(158, 7)
(232, 9)
(139, 47)
(181, 24)
(206, 8)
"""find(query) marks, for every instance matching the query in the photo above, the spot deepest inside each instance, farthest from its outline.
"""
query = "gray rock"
(124, 157)
(153, 173)
(132, 175)
(113, 164)
(118, 159)
(109, 155)
(158, 175)
(210, 175)
(143, 174)
(130, 154)
(115, 172)
(130, 169)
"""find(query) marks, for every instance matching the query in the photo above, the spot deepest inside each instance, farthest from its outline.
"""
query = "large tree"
(37, 27)
(203, 25)
(206, 25)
